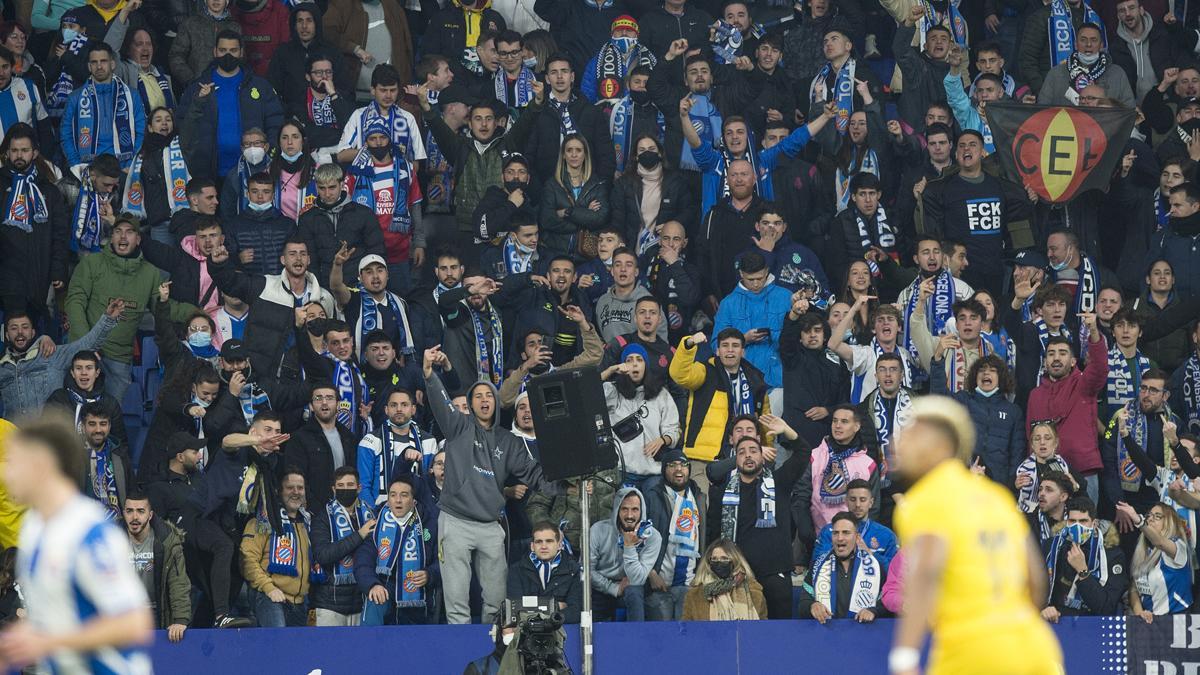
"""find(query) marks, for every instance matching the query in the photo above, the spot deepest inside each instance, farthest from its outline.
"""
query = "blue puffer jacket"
(263, 231)
(747, 311)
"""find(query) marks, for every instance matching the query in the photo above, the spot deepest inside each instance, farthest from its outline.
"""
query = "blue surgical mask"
(259, 207)
(197, 401)
(1078, 533)
(68, 35)
(1058, 267)
(530, 62)
(200, 339)
(986, 394)
(290, 157)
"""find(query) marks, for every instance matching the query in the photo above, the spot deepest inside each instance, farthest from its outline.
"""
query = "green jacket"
(98, 278)
(170, 575)
(555, 505)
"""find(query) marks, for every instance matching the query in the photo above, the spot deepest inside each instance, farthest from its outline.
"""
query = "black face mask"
(379, 153)
(721, 568)
(245, 373)
(316, 327)
(511, 185)
(345, 497)
(228, 62)
(649, 159)
(639, 97)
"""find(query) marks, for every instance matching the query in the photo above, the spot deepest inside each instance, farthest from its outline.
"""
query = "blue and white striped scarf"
(953, 19)
(545, 568)
(731, 502)
(84, 129)
(937, 308)
(86, 227)
(522, 90)
(364, 171)
(1123, 382)
(843, 92)
(620, 127)
(1061, 30)
(341, 527)
(175, 178)
(26, 203)
(56, 100)
(685, 534)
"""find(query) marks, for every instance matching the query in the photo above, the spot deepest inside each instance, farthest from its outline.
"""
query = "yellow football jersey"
(10, 514)
(984, 621)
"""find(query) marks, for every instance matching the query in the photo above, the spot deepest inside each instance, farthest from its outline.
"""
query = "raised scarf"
(952, 19)
(869, 163)
(731, 502)
(620, 127)
(284, 553)
(26, 204)
(1131, 476)
(865, 580)
(351, 390)
(405, 540)
(1162, 211)
(545, 568)
(86, 227)
(80, 399)
(394, 120)
(1027, 496)
(741, 397)
(175, 178)
(843, 92)
(516, 258)
(726, 42)
(340, 526)
(614, 61)
(1191, 392)
(706, 120)
(685, 534)
(1097, 562)
(884, 237)
(1061, 30)
(87, 136)
(104, 482)
(885, 425)
(364, 171)
(489, 354)
(1123, 382)
(1081, 74)
(370, 317)
(522, 89)
(56, 100)
(251, 399)
(439, 182)
(937, 307)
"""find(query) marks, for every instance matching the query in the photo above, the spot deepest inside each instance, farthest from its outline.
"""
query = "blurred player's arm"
(23, 644)
(1035, 563)
(926, 560)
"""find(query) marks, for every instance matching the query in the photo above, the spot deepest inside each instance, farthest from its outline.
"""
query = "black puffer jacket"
(263, 231)
(545, 140)
(678, 203)
(324, 228)
(558, 233)
(340, 598)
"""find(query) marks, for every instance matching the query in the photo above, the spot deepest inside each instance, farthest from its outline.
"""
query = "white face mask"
(507, 638)
(254, 154)
(1087, 59)
(986, 394)
(259, 207)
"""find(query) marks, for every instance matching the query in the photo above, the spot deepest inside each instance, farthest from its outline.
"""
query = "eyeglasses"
(324, 397)
(1156, 515)
(1150, 390)
(509, 54)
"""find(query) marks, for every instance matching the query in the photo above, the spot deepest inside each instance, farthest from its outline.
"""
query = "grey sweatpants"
(467, 544)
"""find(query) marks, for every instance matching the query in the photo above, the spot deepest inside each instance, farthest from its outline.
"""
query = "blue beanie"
(634, 348)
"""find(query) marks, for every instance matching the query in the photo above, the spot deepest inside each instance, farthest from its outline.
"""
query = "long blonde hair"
(1147, 556)
(562, 175)
(704, 574)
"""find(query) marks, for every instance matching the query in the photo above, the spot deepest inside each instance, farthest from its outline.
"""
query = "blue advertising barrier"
(759, 647)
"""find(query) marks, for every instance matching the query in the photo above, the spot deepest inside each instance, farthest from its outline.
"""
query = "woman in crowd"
(1162, 564)
(724, 588)
(293, 171)
(1043, 458)
(859, 284)
(993, 329)
(633, 390)
(182, 405)
(14, 38)
(575, 202)
(649, 194)
(136, 50)
(157, 185)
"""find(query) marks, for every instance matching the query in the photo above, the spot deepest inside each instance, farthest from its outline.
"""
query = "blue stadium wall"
(759, 647)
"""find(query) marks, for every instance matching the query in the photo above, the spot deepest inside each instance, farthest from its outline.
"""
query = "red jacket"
(262, 33)
(1072, 401)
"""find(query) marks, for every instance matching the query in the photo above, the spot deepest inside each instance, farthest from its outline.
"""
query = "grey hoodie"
(612, 562)
(614, 314)
(478, 460)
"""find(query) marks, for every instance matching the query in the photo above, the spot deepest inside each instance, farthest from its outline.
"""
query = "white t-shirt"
(73, 568)
(352, 136)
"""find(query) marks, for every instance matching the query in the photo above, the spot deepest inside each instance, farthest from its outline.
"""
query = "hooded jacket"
(105, 275)
(324, 227)
(34, 259)
(192, 49)
(611, 560)
(289, 65)
(478, 460)
(614, 313)
(659, 417)
(174, 596)
(746, 311)
(1143, 59)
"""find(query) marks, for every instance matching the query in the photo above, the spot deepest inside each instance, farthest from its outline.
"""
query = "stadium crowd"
(289, 267)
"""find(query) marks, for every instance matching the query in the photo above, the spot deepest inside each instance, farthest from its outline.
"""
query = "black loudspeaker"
(571, 420)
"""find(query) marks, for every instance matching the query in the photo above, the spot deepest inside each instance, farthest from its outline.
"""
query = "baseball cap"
(180, 441)
(370, 260)
(234, 350)
(1030, 257)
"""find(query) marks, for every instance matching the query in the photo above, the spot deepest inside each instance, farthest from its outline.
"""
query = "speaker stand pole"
(585, 622)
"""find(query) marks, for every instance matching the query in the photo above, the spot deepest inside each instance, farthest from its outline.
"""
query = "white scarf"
(864, 582)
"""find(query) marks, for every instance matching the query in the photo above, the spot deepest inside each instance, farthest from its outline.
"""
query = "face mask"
(639, 97)
(523, 248)
(245, 373)
(1087, 59)
(511, 185)
(316, 327)
(345, 497)
(1059, 266)
(290, 157)
(379, 153)
(649, 159)
(228, 62)
(259, 207)
(254, 155)
(721, 568)
(507, 638)
(200, 339)
(1078, 533)
(623, 44)
(986, 394)
(69, 34)
(203, 404)
(530, 62)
